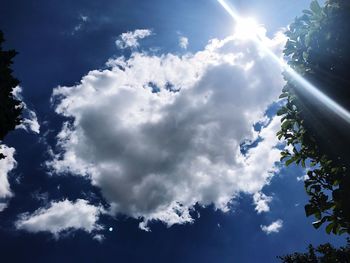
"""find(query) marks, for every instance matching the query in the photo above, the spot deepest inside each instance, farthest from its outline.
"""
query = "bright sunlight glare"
(248, 28)
(251, 29)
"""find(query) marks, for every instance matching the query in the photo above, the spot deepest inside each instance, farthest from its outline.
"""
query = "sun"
(248, 28)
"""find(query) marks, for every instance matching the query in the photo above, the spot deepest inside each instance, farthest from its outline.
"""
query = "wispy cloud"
(30, 121)
(79, 26)
(131, 39)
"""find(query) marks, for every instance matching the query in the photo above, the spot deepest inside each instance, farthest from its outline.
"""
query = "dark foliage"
(318, 49)
(322, 254)
(10, 107)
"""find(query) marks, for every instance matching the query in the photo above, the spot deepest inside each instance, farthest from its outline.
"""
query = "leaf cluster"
(10, 107)
(322, 254)
(317, 48)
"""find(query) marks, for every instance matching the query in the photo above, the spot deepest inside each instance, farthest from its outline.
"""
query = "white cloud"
(6, 166)
(183, 42)
(275, 227)
(130, 39)
(261, 202)
(60, 216)
(157, 154)
(30, 120)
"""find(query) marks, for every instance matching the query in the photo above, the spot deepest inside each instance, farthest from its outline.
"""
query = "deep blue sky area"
(53, 52)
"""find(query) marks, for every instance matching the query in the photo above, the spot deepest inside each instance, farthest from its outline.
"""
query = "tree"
(322, 254)
(318, 139)
(10, 107)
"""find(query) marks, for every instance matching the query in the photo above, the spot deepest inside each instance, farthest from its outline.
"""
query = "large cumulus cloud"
(159, 134)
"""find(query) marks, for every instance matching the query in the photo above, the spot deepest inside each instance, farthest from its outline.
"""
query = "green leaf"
(315, 7)
(342, 231)
(287, 124)
(305, 56)
(313, 163)
(283, 95)
(336, 229)
(282, 111)
(310, 210)
(308, 12)
(318, 215)
(317, 224)
(329, 228)
(290, 161)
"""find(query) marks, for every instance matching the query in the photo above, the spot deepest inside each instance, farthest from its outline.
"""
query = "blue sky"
(153, 144)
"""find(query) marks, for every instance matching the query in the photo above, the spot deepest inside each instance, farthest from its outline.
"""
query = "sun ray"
(305, 84)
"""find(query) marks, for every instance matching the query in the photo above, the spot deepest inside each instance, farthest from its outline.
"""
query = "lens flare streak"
(308, 87)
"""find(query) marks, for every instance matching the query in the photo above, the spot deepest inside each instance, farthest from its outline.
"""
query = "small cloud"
(61, 216)
(261, 202)
(275, 227)
(183, 42)
(99, 237)
(130, 39)
(30, 120)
